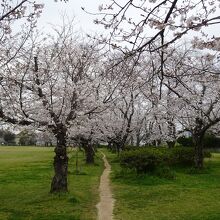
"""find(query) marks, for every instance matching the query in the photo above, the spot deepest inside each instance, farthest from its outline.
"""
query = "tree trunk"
(197, 136)
(117, 145)
(59, 181)
(131, 142)
(198, 144)
(90, 153)
(110, 146)
(77, 162)
(114, 147)
(138, 140)
(171, 144)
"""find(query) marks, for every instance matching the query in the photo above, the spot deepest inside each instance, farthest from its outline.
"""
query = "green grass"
(25, 177)
(187, 197)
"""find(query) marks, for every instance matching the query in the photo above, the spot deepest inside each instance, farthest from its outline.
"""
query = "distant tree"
(45, 138)
(9, 137)
(1, 133)
(27, 138)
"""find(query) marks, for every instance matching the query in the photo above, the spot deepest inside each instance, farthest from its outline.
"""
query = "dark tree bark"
(114, 147)
(110, 146)
(138, 140)
(198, 145)
(90, 153)
(120, 146)
(198, 135)
(131, 141)
(59, 181)
(171, 144)
(118, 149)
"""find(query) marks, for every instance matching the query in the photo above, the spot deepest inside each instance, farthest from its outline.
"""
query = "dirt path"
(105, 206)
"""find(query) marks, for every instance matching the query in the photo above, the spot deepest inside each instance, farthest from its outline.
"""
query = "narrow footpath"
(106, 204)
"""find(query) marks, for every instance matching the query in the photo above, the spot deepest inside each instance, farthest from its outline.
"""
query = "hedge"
(147, 159)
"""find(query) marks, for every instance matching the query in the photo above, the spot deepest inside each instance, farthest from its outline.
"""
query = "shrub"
(148, 159)
(185, 141)
(211, 141)
(165, 172)
(181, 156)
(184, 156)
(143, 160)
(207, 154)
(9, 137)
(130, 147)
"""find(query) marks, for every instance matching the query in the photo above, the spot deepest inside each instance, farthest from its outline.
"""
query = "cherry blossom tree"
(137, 26)
(124, 120)
(140, 131)
(154, 20)
(17, 20)
(87, 133)
(194, 84)
(52, 85)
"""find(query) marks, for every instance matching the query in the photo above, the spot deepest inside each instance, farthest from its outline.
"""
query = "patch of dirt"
(106, 204)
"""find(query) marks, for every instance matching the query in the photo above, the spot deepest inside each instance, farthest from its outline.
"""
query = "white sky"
(52, 14)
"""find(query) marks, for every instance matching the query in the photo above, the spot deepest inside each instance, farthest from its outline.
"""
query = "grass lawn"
(25, 177)
(187, 197)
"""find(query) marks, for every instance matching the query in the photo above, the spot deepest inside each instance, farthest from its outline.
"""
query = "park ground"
(26, 172)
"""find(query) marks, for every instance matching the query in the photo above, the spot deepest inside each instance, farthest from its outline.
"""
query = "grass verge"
(189, 196)
(25, 177)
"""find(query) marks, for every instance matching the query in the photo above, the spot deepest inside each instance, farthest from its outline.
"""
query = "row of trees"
(71, 87)
(23, 138)
(7, 137)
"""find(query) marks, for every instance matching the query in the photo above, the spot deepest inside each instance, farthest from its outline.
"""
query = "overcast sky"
(53, 11)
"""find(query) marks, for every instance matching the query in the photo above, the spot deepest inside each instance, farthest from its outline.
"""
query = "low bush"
(181, 156)
(147, 159)
(165, 172)
(130, 147)
(143, 160)
(209, 141)
(207, 154)
(185, 141)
